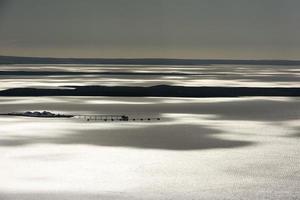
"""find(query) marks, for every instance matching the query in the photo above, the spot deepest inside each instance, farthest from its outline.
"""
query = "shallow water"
(212, 148)
(211, 75)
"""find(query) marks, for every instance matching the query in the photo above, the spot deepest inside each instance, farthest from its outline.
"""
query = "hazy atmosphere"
(232, 29)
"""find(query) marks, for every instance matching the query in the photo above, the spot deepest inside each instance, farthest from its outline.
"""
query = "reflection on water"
(212, 148)
(213, 75)
(238, 148)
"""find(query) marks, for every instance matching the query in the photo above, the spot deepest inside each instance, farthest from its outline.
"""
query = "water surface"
(213, 148)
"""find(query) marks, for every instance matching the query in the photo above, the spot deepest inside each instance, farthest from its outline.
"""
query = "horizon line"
(142, 61)
(152, 58)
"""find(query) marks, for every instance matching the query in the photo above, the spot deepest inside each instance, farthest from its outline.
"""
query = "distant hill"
(140, 61)
(154, 91)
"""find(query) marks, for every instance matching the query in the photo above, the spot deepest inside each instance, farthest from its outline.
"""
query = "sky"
(231, 29)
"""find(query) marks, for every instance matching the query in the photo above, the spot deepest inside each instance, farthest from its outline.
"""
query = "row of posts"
(114, 118)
